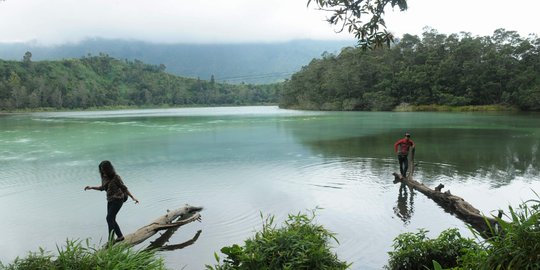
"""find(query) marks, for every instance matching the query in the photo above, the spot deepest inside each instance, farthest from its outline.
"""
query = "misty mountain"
(232, 63)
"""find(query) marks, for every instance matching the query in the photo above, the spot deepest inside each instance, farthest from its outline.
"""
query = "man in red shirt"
(401, 147)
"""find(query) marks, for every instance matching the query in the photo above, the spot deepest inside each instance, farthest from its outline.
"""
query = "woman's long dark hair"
(106, 170)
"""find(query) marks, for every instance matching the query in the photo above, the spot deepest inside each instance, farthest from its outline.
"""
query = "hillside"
(98, 81)
(232, 63)
(434, 69)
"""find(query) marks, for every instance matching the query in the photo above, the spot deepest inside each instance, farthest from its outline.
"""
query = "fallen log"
(453, 204)
(456, 205)
(172, 220)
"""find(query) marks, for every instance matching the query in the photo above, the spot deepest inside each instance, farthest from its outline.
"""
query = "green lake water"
(240, 161)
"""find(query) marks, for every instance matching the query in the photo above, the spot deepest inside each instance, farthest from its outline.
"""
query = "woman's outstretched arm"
(132, 197)
(100, 188)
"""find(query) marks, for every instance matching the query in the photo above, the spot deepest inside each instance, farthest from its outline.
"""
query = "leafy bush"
(299, 244)
(77, 256)
(516, 244)
(417, 251)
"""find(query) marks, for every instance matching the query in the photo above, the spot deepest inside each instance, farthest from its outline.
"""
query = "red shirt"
(403, 145)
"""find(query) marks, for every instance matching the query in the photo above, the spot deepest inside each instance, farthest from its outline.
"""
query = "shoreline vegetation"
(81, 255)
(301, 243)
(400, 108)
(448, 108)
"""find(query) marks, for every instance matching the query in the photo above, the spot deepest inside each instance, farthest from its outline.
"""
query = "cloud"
(51, 21)
(479, 17)
(211, 21)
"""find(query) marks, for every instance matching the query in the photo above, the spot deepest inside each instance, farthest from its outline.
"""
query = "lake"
(239, 162)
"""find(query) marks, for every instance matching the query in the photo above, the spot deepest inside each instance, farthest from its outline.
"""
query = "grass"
(76, 255)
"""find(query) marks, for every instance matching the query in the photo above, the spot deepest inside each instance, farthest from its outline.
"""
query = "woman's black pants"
(113, 207)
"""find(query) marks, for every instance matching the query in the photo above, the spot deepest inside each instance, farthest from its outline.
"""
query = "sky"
(50, 22)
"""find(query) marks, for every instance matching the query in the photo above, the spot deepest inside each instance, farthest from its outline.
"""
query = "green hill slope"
(231, 63)
(98, 81)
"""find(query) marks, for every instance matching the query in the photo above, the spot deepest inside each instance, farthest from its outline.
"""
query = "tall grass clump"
(78, 256)
(299, 244)
(516, 244)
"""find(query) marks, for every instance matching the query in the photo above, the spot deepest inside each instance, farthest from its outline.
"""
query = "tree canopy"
(457, 69)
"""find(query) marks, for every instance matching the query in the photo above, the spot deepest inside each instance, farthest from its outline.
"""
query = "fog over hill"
(232, 63)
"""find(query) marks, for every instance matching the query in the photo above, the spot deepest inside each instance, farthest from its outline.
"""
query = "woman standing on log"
(401, 147)
(117, 194)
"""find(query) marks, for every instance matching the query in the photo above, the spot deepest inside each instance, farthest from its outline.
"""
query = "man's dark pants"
(403, 164)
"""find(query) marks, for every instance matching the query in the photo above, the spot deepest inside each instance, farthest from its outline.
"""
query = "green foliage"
(437, 266)
(432, 70)
(76, 256)
(99, 81)
(34, 261)
(516, 244)
(417, 251)
(299, 244)
(350, 14)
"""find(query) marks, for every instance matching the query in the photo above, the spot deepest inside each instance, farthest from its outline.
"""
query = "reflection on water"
(162, 242)
(405, 203)
(499, 155)
(239, 162)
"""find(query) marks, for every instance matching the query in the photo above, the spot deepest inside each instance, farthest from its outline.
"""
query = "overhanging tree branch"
(351, 14)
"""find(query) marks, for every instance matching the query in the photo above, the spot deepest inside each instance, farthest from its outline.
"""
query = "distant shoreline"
(434, 108)
(125, 107)
(399, 108)
(447, 108)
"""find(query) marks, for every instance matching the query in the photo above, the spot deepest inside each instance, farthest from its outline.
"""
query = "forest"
(434, 69)
(100, 81)
(255, 63)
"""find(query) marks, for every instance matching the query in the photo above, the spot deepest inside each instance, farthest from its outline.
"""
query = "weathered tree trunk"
(451, 203)
(173, 219)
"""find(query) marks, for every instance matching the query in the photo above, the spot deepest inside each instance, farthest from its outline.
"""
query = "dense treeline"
(97, 81)
(455, 70)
